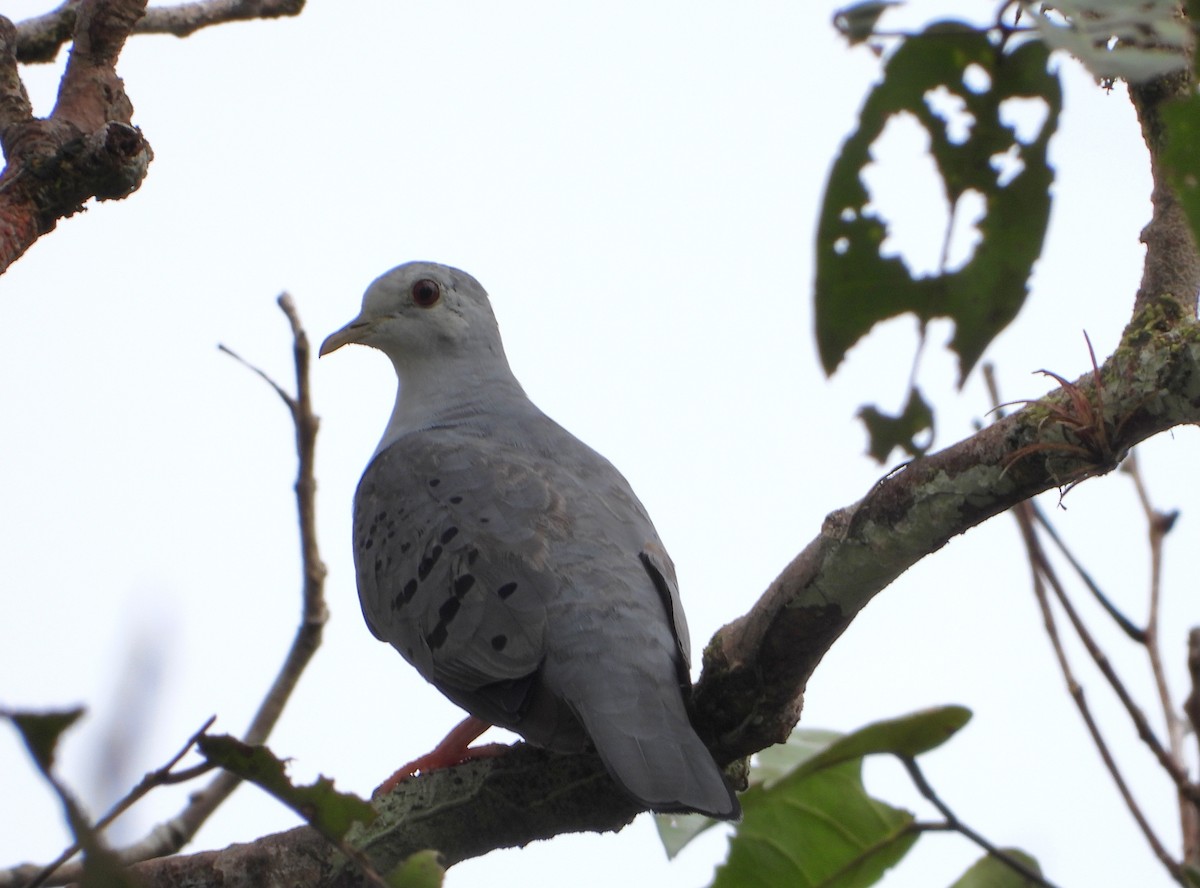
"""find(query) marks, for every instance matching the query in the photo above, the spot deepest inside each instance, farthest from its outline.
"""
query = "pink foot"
(454, 750)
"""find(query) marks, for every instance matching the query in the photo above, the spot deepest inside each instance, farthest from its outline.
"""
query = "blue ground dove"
(511, 564)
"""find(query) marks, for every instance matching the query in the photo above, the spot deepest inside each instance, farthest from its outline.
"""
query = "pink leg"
(455, 749)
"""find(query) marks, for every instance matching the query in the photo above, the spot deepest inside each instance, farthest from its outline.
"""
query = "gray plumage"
(511, 564)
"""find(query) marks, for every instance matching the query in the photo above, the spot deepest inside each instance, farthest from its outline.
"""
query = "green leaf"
(779, 761)
(41, 730)
(888, 432)
(422, 869)
(328, 811)
(1181, 156)
(907, 736)
(770, 766)
(815, 829)
(858, 287)
(857, 22)
(991, 872)
(808, 820)
(676, 830)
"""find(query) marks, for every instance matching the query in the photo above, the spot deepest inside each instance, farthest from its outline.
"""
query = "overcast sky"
(637, 186)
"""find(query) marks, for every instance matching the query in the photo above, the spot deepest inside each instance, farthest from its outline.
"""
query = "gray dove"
(510, 563)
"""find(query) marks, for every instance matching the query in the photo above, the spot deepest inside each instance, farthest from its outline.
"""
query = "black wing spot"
(437, 637)
(499, 641)
(369, 543)
(449, 608)
(448, 534)
(506, 590)
(471, 556)
(456, 500)
(463, 584)
(409, 590)
(404, 547)
(428, 562)
(434, 482)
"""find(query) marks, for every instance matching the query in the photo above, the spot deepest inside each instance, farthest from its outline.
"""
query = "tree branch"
(756, 668)
(87, 148)
(750, 693)
(41, 37)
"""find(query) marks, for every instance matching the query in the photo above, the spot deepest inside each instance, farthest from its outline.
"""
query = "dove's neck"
(450, 393)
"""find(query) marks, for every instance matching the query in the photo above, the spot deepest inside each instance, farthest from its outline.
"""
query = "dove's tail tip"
(673, 777)
(717, 806)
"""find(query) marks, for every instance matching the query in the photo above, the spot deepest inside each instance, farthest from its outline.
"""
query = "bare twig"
(953, 823)
(1043, 571)
(1158, 525)
(1127, 625)
(42, 36)
(169, 837)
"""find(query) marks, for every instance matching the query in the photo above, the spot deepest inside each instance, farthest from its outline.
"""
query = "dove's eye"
(426, 293)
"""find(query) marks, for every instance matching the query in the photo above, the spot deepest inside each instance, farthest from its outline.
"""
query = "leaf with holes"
(1012, 104)
(889, 432)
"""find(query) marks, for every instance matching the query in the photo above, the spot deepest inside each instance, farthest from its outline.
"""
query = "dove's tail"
(650, 748)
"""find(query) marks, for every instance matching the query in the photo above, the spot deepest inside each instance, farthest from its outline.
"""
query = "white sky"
(637, 187)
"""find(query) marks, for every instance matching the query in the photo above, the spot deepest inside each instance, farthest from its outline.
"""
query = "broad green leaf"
(1181, 157)
(815, 829)
(769, 767)
(857, 286)
(422, 869)
(991, 872)
(907, 736)
(676, 830)
(889, 432)
(776, 762)
(811, 750)
(328, 811)
(41, 730)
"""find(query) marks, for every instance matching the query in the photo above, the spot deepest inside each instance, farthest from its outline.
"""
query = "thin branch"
(169, 837)
(1043, 571)
(1158, 525)
(1135, 632)
(953, 823)
(1145, 732)
(261, 374)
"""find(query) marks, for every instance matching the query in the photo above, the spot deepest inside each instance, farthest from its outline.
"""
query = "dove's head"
(421, 310)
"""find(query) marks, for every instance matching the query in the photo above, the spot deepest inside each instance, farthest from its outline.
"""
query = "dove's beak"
(352, 332)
